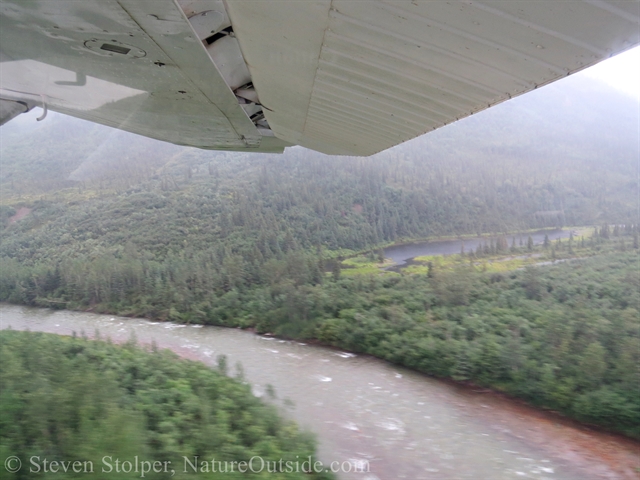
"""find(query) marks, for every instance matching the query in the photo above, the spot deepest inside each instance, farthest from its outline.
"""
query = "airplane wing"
(350, 77)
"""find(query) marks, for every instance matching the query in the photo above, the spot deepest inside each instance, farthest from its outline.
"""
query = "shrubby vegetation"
(565, 337)
(73, 399)
(136, 227)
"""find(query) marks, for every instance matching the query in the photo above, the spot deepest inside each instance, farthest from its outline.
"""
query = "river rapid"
(404, 424)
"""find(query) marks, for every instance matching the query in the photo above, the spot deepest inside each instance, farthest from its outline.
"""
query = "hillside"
(574, 142)
(116, 223)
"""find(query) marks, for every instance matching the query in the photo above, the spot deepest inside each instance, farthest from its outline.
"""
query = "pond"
(402, 254)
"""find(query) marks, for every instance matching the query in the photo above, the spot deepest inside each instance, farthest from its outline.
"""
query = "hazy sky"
(621, 72)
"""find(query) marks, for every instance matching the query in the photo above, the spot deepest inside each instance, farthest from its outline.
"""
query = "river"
(401, 254)
(405, 424)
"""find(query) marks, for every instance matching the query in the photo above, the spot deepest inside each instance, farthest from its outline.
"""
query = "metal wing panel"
(338, 76)
(136, 65)
(389, 70)
(281, 42)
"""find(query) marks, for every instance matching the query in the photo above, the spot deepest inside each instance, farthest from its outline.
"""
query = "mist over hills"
(576, 118)
(566, 154)
(575, 123)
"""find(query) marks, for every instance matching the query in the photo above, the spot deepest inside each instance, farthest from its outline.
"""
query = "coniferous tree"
(530, 243)
(337, 270)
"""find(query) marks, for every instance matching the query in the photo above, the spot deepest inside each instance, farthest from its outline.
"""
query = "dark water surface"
(400, 254)
(406, 425)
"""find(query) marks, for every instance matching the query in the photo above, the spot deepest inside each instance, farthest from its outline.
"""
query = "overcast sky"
(621, 72)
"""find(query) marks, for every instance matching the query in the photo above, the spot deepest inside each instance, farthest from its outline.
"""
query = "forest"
(105, 221)
(77, 400)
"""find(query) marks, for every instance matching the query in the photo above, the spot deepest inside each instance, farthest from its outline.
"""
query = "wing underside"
(337, 76)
